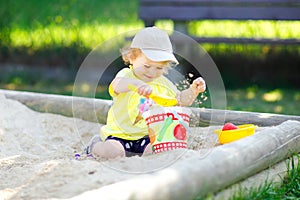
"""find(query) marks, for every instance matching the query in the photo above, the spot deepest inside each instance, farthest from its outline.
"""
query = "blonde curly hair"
(129, 54)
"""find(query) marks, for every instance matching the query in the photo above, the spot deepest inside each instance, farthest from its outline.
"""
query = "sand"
(37, 155)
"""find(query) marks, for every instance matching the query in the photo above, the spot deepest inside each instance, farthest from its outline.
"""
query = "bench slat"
(182, 11)
(234, 13)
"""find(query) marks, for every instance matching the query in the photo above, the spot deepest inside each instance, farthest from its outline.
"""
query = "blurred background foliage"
(43, 43)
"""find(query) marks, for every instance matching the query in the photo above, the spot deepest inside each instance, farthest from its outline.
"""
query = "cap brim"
(159, 56)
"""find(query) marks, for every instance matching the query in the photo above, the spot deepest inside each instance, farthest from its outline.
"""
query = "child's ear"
(130, 61)
(132, 58)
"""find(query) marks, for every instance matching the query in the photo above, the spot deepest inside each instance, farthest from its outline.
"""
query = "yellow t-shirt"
(125, 109)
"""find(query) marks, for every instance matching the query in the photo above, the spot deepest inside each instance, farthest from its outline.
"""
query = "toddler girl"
(149, 56)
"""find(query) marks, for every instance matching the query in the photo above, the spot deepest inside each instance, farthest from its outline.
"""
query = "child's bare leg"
(108, 149)
(148, 150)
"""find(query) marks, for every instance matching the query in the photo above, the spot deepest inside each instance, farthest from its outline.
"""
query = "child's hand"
(198, 86)
(144, 90)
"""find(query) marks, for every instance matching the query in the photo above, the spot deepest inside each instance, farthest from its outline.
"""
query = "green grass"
(289, 188)
(34, 13)
(281, 101)
(60, 33)
(39, 24)
(260, 28)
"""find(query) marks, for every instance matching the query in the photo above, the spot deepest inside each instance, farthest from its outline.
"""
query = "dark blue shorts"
(132, 147)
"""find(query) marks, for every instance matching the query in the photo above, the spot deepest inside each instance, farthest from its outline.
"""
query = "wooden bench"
(183, 11)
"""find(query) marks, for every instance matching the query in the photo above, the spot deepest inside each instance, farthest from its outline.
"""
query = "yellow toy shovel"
(159, 99)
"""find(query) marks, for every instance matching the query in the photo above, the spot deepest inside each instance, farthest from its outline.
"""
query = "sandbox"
(39, 138)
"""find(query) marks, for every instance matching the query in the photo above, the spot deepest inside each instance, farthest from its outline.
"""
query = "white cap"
(155, 44)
